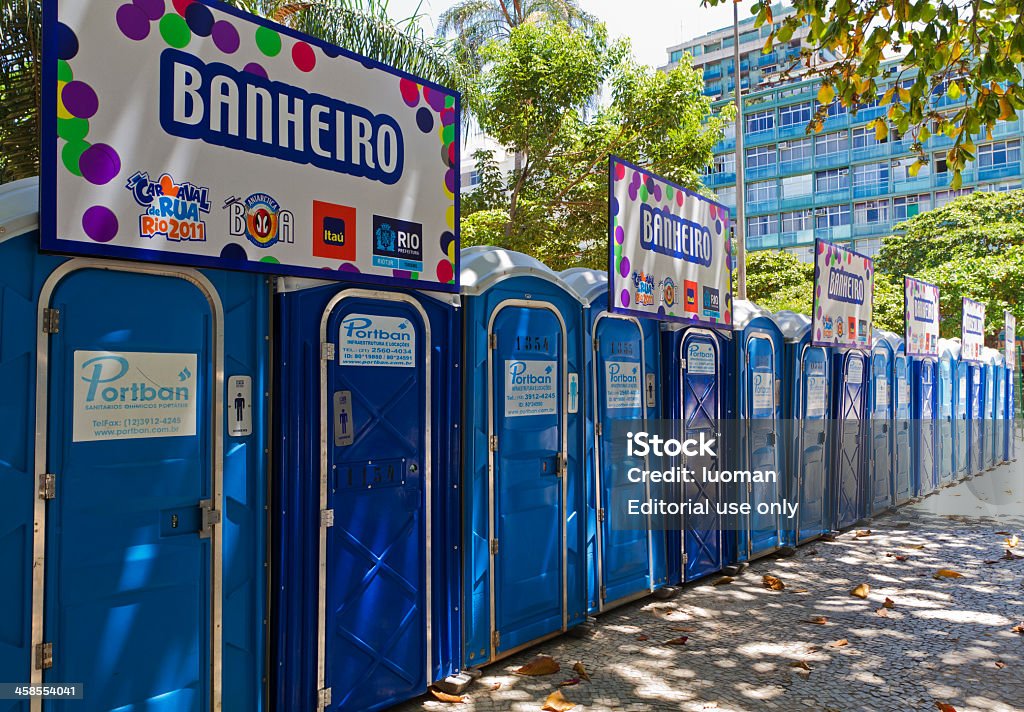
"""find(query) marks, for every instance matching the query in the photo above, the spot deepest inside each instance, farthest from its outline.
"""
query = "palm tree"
(362, 26)
(474, 22)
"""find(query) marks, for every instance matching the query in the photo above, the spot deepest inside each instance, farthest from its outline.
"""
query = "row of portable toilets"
(376, 529)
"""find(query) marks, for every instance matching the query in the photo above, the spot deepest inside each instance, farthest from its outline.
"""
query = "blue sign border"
(49, 241)
(618, 309)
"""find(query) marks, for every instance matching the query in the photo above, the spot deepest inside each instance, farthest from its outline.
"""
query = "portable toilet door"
(806, 409)
(850, 373)
(367, 503)
(696, 365)
(759, 366)
(880, 412)
(922, 390)
(136, 566)
(989, 407)
(961, 444)
(998, 397)
(945, 455)
(976, 415)
(524, 488)
(621, 385)
(902, 455)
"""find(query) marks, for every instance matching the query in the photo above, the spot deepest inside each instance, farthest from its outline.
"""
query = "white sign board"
(920, 317)
(700, 359)
(194, 133)
(1010, 336)
(843, 297)
(764, 391)
(669, 250)
(815, 396)
(531, 388)
(972, 330)
(882, 392)
(854, 370)
(622, 385)
(239, 403)
(375, 340)
(123, 395)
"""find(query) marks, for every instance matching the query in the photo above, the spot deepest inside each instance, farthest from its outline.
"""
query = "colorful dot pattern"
(647, 189)
(915, 288)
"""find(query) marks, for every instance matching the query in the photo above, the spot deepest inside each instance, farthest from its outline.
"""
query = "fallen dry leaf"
(580, 670)
(1003, 533)
(681, 640)
(641, 637)
(947, 573)
(861, 533)
(1019, 628)
(861, 591)
(556, 702)
(798, 590)
(1000, 664)
(888, 603)
(540, 665)
(800, 664)
(683, 628)
(840, 643)
(913, 546)
(944, 707)
(1013, 541)
(882, 612)
(445, 697)
(818, 620)
(772, 582)
(495, 687)
(722, 580)
(570, 682)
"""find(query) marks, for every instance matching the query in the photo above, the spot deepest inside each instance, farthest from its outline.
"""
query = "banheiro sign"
(972, 330)
(843, 297)
(125, 395)
(193, 133)
(1010, 340)
(669, 250)
(920, 317)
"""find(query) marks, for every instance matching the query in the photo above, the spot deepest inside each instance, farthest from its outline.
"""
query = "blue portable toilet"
(806, 413)
(881, 433)
(998, 362)
(850, 372)
(524, 485)
(697, 364)
(902, 456)
(989, 378)
(976, 414)
(367, 505)
(945, 413)
(961, 446)
(131, 479)
(759, 371)
(922, 411)
(621, 383)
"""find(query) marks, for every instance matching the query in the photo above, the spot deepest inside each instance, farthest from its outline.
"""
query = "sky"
(652, 25)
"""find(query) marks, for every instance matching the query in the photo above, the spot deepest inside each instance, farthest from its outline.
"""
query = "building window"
(871, 174)
(832, 216)
(940, 163)
(908, 206)
(864, 137)
(869, 248)
(761, 156)
(796, 186)
(471, 179)
(838, 179)
(762, 225)
(760, 121)
(713, 47)
(832, 143)
(748, 37)
(945, 196)
(676, 55)
(797, 221)
(835, 109)
(901, 170)
(724, 163)
(727, 196)
(1000, 153)
(697, 51)
(999, 187)
(795, 114)
(804, 254)
(871, 212)
(764, 190)
(794, 150)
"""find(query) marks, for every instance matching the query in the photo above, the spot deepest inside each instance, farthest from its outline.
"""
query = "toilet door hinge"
(494, 546)
(563, 464)
(323, 698)
(682, 364)
(326, 517)
(597, 427)
(44, 656)
(327, 351)
(495, 640)
(208, 518)
(492, 341)
(493, 443)
(686, 558)
(604, 592)
(597, 344)
(600, 514)
(51, 321)
(47, 486)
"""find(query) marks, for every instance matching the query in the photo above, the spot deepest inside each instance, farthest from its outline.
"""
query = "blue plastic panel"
(880, 408)
(923, 390)
(944, 451)
(850, 387)
(761, 425)
(902, 467)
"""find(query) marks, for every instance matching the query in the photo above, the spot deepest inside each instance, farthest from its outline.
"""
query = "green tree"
(888, 303)
(20, 73)
(969, 51)
(973, 225)
(778, 280)
(532, 97)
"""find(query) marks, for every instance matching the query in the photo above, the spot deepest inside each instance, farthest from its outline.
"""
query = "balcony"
(800, 237)
(726, 145)
(868, 114)
(796, 202)
(870, 190)
(832, 234)
(714, 72)
(878, 229)
(842, 195)
(761, 172)
(753, 138)
(832, 160)
(792, 131)
(755, 207)
(767, 59)
(763, 242)
(912, 185)
(942, 180)
(1006, 170)
(878, 150)
(834, 123)
(716, 180)
(1003, 128)
(800, 165)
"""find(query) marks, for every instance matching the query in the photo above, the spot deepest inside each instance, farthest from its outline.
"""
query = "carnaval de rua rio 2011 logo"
(173, 210)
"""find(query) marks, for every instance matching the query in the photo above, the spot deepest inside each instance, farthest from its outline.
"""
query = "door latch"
(209, 517)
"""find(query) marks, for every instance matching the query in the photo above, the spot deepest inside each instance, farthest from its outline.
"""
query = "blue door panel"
(944, 453)
(849, 451)
(813, 514)
(762, 425)
(903, 485)
(881, 443)
(128, 586)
